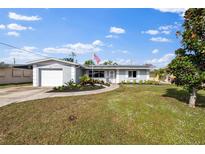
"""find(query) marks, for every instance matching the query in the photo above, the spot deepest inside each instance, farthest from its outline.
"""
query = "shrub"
(122, 82)
(134, 81)
(141, 82)
(107, 84)
(85, 79)
(71, 83)
(128, 81)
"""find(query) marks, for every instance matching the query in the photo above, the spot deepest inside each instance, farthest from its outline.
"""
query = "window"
(111, 74)
(96, 74)
(132, 74)
(143, 72)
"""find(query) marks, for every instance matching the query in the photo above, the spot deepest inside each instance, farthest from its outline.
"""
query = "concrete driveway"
(19, 94)
(26, 93)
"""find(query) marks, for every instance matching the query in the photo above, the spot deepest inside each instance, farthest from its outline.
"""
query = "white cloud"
(166, 27)
(13, 34)
(13, 15)
(22, 56)
(15, 26)
(160, 39)
(161, 61)
(117, 30)
(78, 48)
(97, 43)
(2, 26)
(119, 52)
(155, 51)
(166, 32)
(179, 11)
(151, 32)
(122, 61)
(111, 36)
(56, 50)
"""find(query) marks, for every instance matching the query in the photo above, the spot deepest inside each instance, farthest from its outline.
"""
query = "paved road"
(25, 93)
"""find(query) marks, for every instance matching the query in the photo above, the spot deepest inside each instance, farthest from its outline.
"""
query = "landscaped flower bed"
(146, 82)
(86, 84)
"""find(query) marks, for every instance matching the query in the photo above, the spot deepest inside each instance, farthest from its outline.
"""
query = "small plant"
(107, 84)
(134, 81)
(85, 79)
(141, 82)
(122, 82)
(128, 81)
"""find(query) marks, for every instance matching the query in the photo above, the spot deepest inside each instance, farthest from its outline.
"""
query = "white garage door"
(51, 78)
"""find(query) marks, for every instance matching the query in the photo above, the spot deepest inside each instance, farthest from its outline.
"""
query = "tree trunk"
(192, 99)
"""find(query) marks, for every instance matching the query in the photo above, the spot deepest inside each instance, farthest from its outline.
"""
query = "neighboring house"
(55, 72)
(15, 73)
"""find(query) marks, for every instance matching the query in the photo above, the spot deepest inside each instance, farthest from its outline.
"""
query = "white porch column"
(35, 76)
(147, 74)
(73, 74)
(117, 76)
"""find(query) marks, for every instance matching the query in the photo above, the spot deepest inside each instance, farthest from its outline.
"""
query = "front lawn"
(129, 115)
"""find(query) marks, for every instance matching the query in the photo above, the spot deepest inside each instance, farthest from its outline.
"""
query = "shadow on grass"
(183, 96)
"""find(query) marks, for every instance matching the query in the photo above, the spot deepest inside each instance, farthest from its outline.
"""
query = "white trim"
(73, 74)
(147, 75)
(117, 76)
(138, 73)
(47, 59)
(35, 76)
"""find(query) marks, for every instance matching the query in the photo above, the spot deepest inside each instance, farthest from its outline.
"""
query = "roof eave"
(43, 60)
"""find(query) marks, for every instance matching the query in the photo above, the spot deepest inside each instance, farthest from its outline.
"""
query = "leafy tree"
(189, 64)
(160, 73)
(89, 62)
(109, 62)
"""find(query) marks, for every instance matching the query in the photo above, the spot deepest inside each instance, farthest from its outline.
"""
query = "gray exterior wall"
(123, 75)
(79, 73)
(141, 75)
(15, 75)
(68, 71)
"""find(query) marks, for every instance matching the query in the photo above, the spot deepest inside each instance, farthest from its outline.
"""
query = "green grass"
(14, 85)
(129, 115)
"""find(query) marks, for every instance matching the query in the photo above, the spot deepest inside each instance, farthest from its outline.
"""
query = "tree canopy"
(89, 62)
(109, 62)
(189, 64)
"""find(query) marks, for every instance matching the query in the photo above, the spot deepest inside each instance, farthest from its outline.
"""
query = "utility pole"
(14, 61)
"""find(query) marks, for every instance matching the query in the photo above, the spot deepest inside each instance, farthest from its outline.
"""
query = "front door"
(112, 76)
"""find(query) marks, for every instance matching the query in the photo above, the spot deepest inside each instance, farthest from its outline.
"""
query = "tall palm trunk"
(192, 99)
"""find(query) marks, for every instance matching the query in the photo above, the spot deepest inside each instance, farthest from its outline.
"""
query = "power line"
(11, 46)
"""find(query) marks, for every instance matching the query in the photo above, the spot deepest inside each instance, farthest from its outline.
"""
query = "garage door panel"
(51, 77)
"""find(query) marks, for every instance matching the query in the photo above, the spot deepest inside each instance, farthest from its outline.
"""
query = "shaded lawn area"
(129, 115)
(14, 85)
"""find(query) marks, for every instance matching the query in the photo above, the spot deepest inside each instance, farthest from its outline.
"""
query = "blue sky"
(126, 36)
